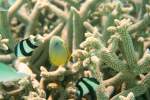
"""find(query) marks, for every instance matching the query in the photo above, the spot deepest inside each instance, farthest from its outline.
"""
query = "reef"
(106, 39)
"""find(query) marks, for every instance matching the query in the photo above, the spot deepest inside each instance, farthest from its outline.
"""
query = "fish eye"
(58, 43)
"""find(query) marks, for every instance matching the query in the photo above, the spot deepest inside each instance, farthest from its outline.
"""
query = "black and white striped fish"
(87, 85)
(25, 47)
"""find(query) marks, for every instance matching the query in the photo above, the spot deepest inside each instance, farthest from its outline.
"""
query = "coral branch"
(140, 24)
(137, 91)
(7, 58)
(58, 11)
(88, 6)
(5, 29)
(112, 60)
(127, 47)
(14, 8)
(117, 79)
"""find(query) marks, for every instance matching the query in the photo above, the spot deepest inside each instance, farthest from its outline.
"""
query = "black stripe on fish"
(89, 86)
(93, 80)
(91, 90)
(30, 44)
(16, 51)
(80, 89)
(22, 49)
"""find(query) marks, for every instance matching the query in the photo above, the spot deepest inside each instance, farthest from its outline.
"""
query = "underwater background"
(74, 49)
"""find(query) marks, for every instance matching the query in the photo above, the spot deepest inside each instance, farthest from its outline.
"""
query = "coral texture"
(104, 39)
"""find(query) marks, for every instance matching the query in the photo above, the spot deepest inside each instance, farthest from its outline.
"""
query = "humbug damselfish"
(87, 86)
(25, 47)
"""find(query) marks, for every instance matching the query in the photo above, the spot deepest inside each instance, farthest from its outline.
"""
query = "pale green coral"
(108, 39)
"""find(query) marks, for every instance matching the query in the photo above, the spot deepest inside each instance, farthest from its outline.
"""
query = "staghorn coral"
(129, 97)
(107, 40)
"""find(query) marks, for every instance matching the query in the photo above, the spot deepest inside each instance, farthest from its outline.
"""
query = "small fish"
(7, 73)
(58, 51)
(87, 85)
(25, 47)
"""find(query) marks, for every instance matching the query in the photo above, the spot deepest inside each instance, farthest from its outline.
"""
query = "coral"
(106, 39)
(129, 97)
